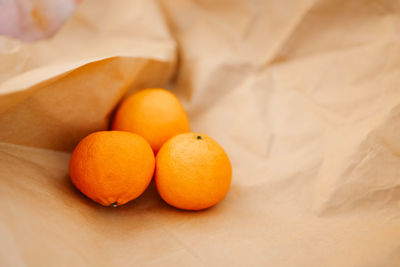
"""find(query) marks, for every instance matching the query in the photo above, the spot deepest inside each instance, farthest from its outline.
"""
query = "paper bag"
(303, 95)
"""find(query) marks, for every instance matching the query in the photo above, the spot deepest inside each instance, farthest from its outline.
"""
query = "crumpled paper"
(303, 96)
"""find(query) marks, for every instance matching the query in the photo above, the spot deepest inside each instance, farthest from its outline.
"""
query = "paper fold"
(303, 97)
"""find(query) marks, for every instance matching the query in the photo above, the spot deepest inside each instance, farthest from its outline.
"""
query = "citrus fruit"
(156, 114)
(112, 167)
(193, 172)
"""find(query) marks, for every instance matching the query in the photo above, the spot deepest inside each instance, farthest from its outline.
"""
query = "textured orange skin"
(156, 114)
(112, 167)
(192, 173)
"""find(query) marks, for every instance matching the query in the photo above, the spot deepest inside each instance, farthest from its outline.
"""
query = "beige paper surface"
(303, 95)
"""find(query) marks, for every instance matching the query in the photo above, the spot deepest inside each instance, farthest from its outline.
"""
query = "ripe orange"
(156, 114)
(112, 167)
(193, 172)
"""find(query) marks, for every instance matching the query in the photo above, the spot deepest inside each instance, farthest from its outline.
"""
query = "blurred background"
(34, 19)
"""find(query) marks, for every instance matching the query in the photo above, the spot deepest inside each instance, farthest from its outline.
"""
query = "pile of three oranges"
(191, 170)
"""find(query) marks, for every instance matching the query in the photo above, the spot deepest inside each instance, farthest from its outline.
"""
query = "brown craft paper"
(303, 95)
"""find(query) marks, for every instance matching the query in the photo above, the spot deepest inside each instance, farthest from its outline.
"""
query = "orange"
(193, 172)
(156, 114)
(112, 167)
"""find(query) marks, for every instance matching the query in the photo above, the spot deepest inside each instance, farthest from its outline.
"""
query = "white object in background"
(31, 20)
